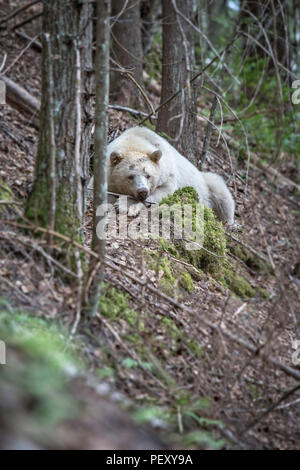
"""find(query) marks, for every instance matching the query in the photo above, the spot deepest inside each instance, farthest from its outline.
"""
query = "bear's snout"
(142, 194)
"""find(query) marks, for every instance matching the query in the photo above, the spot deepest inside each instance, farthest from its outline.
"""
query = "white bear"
(144, 165)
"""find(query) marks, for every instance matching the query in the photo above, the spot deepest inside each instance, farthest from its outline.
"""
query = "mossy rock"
(169, 270)
(211, 257)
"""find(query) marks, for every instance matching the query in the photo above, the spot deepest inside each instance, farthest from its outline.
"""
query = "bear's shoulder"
(135, 139)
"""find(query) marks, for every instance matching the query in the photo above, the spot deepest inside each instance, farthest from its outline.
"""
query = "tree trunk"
(127, 51)
(100, 159)
(178, 118)
(150, 13)
(65, 126)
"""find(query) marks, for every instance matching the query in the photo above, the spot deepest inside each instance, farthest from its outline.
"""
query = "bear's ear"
(156, 156)
(115, 158)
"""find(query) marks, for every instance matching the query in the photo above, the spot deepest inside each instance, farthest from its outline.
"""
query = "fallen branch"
(20, 55)
(17, 97)
(17, 11)
(16, 203)
(28, 20)
(271, 408)
(249, 248)
(135, 112)
(33, 42)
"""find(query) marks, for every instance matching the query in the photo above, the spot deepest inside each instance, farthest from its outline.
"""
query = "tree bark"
(100, 159)
(67, 24)
(127, 51)
(150, 13)
(178, 118)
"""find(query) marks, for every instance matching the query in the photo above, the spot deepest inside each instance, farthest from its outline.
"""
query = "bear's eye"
(148, 177)
(130, 177)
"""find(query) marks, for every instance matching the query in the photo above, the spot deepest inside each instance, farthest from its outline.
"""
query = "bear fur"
(144, 165)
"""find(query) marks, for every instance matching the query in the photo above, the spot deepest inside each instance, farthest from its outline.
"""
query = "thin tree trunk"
(100, 159)
(178, 118)
(150, 12)
(127, 50)
(67, 24)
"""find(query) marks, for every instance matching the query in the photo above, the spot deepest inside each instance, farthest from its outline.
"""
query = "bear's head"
(135, 174)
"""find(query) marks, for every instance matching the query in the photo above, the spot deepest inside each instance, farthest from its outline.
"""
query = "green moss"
(6, 193)
(263, 292)
(66, 217)
(211, 257)
(166, 286)
(114, 305)
(171, 329)
(186, 282)
(169, 270)
(195, 347)
(252, 261)
(187, 195)
(165, 246)
(235, 282)
(38, 367)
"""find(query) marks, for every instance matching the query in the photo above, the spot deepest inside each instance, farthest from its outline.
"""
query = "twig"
(271, 408)
(20, 99)
(248, 116)
(3, 62)
(129, 351)
(32, 18)
(18, 292)
(33, 43)
(197, 75)
(79, 293)
(17, 11)
(135, 112)
(50, 109)
(289, 72)
(129, 74)
(21, 53)
(15, 139)
(78, 133)
(248, 247)
(16, 203)
(33, 245)
(209, 128)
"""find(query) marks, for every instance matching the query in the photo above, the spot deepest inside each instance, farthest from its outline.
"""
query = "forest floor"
(195, 370)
